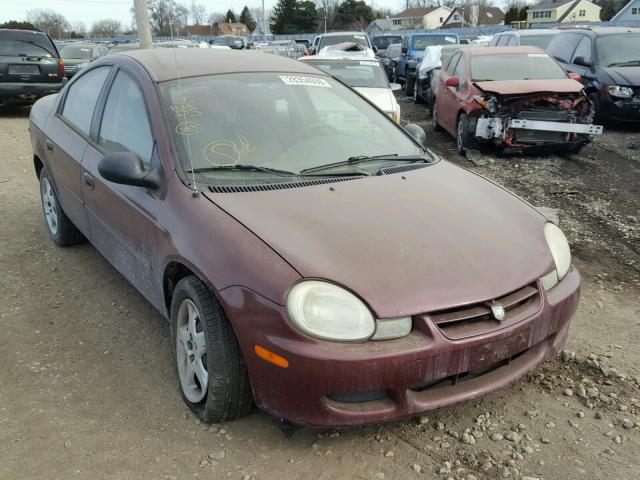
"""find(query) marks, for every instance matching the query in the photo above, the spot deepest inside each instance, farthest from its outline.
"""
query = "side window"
(502, 41)
(451, 65)
(563, 45)
(583, 50)
(512, 41)
(459, 70)
(82, 98)
(125, 123)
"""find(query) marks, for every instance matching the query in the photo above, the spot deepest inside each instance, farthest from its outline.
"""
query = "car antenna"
(195, 193)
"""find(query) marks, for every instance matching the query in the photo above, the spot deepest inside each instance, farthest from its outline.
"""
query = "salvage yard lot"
(87, 388)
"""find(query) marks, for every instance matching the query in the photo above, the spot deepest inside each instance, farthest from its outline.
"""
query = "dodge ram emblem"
(498, 311)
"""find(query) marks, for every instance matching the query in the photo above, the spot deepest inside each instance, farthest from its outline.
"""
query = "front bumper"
(11, 92)
(421, 372)
(494, 127)
(621, 109)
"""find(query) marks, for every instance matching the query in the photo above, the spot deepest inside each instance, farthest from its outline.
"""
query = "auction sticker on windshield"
(304, 81)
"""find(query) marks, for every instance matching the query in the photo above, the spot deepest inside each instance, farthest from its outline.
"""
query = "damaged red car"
(515, 98)
(310, 255)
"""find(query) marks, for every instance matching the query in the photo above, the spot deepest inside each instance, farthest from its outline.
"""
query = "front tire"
(212, 375)
(61, 229)
(409, 86)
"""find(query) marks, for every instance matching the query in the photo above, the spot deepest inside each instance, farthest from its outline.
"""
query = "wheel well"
(38, 165)
(173, 273)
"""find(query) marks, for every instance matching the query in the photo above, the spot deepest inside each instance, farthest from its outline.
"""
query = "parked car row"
(553, 93)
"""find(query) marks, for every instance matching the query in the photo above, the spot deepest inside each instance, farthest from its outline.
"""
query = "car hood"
(627, 76)
(519, 87)
(410, 243)
(381, 97)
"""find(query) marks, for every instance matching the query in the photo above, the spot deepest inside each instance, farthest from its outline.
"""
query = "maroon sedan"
(516, 98)
(309, 253)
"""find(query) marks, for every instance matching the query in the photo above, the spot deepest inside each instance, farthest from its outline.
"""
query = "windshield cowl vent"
(267, 187)
(402, 168)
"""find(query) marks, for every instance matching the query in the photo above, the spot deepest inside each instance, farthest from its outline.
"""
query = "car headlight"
(559, 247)
(619, 91)
(488, 102)
(327, 311)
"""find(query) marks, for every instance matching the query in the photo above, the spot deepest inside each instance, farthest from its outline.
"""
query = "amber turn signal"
(271, 357)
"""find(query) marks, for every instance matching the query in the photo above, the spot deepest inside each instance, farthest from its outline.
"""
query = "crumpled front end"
(535, 121)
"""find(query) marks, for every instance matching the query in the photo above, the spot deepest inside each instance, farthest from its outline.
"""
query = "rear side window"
(82, 98)
(563, 45)
(512, 41)
(583, 50)
(125, 123)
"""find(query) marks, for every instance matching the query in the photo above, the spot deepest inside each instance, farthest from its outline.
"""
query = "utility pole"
(142, 20)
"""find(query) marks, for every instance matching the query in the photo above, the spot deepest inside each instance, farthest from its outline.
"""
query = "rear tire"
(212, 375)
(409, 86)
(61, 230)
(434, 113)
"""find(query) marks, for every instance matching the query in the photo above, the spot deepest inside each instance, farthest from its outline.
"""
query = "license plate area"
(24, 70)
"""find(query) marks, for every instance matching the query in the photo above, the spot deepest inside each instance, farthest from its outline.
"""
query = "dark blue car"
(413, 45)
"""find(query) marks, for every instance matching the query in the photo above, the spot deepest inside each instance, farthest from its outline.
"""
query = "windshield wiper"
(273, 171)
(364, 158)
(246, 168)
(625, 64)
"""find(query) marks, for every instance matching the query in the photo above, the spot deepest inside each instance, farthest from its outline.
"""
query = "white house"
(430, 18)
(564, 11)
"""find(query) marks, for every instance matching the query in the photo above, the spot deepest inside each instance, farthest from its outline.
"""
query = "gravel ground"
(87, 387)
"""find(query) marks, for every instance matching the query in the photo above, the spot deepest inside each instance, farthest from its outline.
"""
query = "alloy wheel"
(191, 352)
(49, 205)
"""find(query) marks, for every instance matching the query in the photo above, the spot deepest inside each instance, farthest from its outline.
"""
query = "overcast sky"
(89, 11)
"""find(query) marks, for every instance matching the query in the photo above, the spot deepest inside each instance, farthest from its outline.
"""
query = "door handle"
(88, 181)
(49, 145)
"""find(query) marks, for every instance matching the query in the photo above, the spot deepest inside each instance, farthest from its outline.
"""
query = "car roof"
(161, 65)
(335, 34)
(337, 58)
(536, 31)
(597, 31)
(502, 50)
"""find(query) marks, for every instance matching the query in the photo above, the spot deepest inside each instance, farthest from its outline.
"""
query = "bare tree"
(106, 28)
(79, 28)
(53, 23)
(198, 13)
(214, 18)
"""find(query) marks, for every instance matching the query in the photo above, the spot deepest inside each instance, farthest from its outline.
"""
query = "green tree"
(230, 16)
(511, 15)
(247, 18)
(523, 13)
(292, 16)
(353, 14)
(18, 25)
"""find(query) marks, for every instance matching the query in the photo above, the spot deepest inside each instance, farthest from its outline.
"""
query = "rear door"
(67, 137)
(28, 57)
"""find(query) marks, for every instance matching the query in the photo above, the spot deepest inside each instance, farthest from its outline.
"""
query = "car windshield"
(74, 51)
(394, 50)
(515, 66)
(282, 121)
(541, 41)
(383, 42)
(423, 41)
(336, 39)
(618, 49)
(355, 73)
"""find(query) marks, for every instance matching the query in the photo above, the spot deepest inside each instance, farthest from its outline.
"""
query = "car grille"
(539, 136)
(476, 319)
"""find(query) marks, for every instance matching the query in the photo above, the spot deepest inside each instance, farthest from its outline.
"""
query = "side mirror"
(405, 50)
(395, 87)
(416, 132)
(582, 62)
(575, 76)
(126, 168)
(453, 82)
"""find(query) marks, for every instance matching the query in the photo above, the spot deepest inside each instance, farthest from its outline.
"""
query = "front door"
(124, 219)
